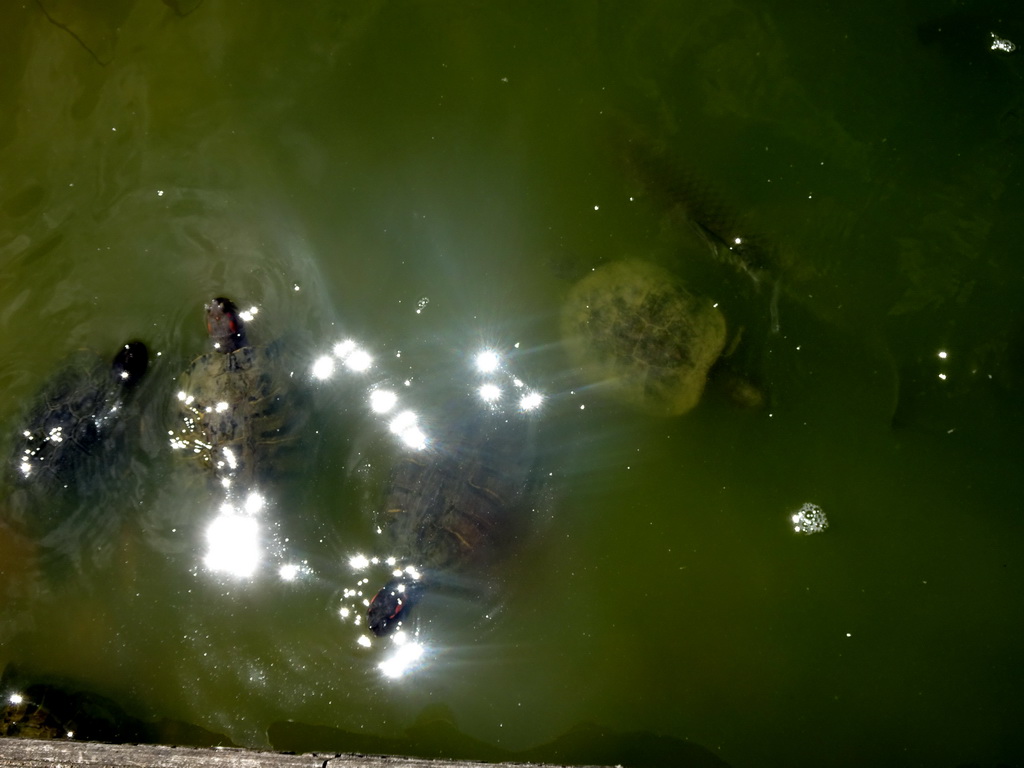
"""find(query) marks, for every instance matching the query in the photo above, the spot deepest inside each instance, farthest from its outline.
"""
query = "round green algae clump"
(634, 327)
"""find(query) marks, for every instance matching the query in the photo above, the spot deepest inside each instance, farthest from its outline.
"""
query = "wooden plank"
(31, 753)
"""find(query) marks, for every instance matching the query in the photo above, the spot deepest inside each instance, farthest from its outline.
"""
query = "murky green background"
(334, 163)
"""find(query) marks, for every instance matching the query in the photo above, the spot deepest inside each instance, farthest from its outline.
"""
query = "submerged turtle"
(64, 710)
(454, 507)
(71, 430)
(633, 326)
(235, 402)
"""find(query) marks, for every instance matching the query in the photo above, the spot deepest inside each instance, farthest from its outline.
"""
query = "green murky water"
(341, 166)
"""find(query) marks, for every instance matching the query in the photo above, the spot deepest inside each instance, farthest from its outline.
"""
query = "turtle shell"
(27, 720)
(237, 404)
(457, 504)
(634, 327)
(73, 427)
(235, 414)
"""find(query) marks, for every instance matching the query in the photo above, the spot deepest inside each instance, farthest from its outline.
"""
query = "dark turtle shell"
(236, 403)
(50, 711)
(68, 434)
(455, 505)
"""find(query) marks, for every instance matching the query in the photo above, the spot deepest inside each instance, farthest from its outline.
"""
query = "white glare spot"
(15, 698)
(221, 407)
(531, 401)
(232, 545)
(358, 562)
(382, 400)
(364, 641)
(405, 426)
(323, 368)
(344, 348)
(359, 360)
(943, 355)
(490, 393)
(248, 314)
(402, 660)
(254, 502)
(403, 421)
(288, 571)
(487, 361)
(942, 376)
(354, 358)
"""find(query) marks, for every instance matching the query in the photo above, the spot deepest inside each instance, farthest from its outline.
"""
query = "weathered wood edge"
(31, 753)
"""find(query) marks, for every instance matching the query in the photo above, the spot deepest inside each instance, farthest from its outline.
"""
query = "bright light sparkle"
(411, 571)
(232, 545)
(352, 355)
(531, 401)
(254, 502)
(15, 698)
(810, 518)
(344, 348)
(490, 393)
(405, 426)
(487, 361)
(403, 421)
(943, 355)
(358, 562)
(289, 571)
(402, 660)
(382, 400)
(415, 439)
(323, 368)
(358, 360)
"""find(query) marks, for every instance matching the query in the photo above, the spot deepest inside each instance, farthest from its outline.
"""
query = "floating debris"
(810, 518)
(1001, 44)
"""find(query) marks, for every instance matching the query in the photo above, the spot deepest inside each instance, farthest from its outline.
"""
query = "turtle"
(455, 507)
(235, 403)
(633, 326)
(73, 427)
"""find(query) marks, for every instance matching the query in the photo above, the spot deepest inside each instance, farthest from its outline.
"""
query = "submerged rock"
(635, 329)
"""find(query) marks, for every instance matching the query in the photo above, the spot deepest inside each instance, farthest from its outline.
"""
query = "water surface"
(427, 179)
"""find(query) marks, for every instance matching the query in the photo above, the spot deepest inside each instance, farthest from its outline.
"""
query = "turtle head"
(224, 325)
(391, 605)
(130, 364)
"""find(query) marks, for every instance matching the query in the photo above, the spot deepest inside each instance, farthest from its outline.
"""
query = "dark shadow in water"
(53, 709)
(95, 32)
(434, 735)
